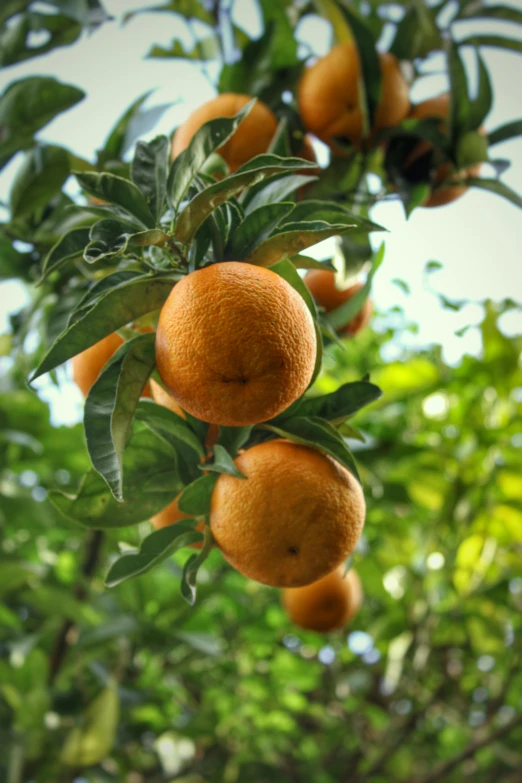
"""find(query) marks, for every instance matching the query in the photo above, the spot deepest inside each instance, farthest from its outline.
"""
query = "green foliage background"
(131, 683)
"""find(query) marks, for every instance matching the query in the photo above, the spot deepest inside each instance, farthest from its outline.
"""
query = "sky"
(477, 239)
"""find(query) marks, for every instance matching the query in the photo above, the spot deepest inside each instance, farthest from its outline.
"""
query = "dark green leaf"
(286, 269)
(203, 50)
(338, 405)
(460, 106)
(505, 132)
(70, 246)
(168, 425)
(283, 42)
(496, 186)
(117, 190)
(149, 172)
(494, 41)
(255, 228)
(113, 310)
(330, 212)
(223, 463)
(15, 39)
(294, 238)
(276, 189)
(110, 406)
(307, 262)
(480, 11)
(195, 499)
(191, 568)
(481, 105)
(153, 550)
(233, 438)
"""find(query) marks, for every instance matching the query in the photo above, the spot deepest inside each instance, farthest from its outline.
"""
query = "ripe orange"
(170, 515)
(87, 365)
(235, 344)
(321, 284)
(438, 107)
(328, 96)
(162, 397)
(296, 517)
(252, 138)
(327, 604)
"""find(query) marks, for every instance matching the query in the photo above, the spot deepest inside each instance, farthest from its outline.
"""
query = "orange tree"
(186, 261)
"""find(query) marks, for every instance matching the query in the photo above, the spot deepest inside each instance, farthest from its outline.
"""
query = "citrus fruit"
(296, 516)
(87, 365)
(327, 604)
(252, 137)
(438, 108)
(321, 284)
(328, 97)
(170, 515)
(235, 344)
(162, 397)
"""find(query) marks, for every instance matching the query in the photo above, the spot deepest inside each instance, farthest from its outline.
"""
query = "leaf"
(318, 434)
(370, 78)
(119, 306)
(108, 237)
(417, 33)
(150, 481)
(494, 41)
(286, 269)
(16, 38)
(294, 238)
(255, 228)
(189, 9)
(283, 43)
(193, 215)
(115, 146)
(495, 186)
(233, 438)
(223, 463)
(41, 175)
(505, 132)
(307, 262)
(191, 568)
(479, 11)
(169, 426)
(89, 744)
(481, 105)
(98, 289)
(275, 189)
(149, 172)
(331, 11)
(340, 404)
(343, 315)
(70, 246)
(28, 105)
(195, 499)
(203, 50)
(331, 212)
(116, 190)
(154, 549)
(460, 106)
(110, 406)
(209, 138)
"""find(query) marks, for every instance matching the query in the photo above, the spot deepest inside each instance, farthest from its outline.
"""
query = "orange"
(321, 284)
(87, 365)
(328, 96)
(170, 515)
(296, 516)
(252, 138)
(235, 344)
(439, 107)
(162, 397)
(327, 604)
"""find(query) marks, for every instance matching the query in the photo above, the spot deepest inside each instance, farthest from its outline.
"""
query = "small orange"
(296, 516)
(170, 515)
(252, 138)
(87, 365)
(328, 96)
(327, 604)
(438, 107)
(321, 284)
(162, 397)
(235, 344)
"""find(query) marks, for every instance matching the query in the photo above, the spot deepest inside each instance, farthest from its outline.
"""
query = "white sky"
(478, 239)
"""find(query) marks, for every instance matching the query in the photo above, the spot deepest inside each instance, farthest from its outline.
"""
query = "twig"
(61, 644)
(442, 770)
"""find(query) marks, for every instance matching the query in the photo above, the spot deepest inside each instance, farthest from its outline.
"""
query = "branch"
(442, 770)
(62, 642)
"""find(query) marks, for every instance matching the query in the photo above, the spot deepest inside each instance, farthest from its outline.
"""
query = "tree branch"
(442, 770)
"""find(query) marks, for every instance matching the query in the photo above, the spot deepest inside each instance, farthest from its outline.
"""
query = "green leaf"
(233, 438)
(202, 205)
(117, 190)
(275, 189)
(110, 406)
(89, 744)
(286, 269)
(149, 172)
(330, 10)
(70, 246)
(189, 9)
(505, 132)
(255, 228)
(108, 237)
(41, 175)
(203, 50)
(340, 404)
(119, 306)
(169, 426)
(98, 289)
(150, 481)
(209, 138)
(27, 106)
(154, 549)
(319, 434)
(223, 463)
(283, 42)
(16, 38)
(481, 105)
(343, 315)
(307, 262)
(417, 33)
(370, 69)
(191, 568)
(480, 11)
(495, 186)
(494, 41)
(195, 499)
(294, 238)
(115, 146)
(331, 212)
(460, 107)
